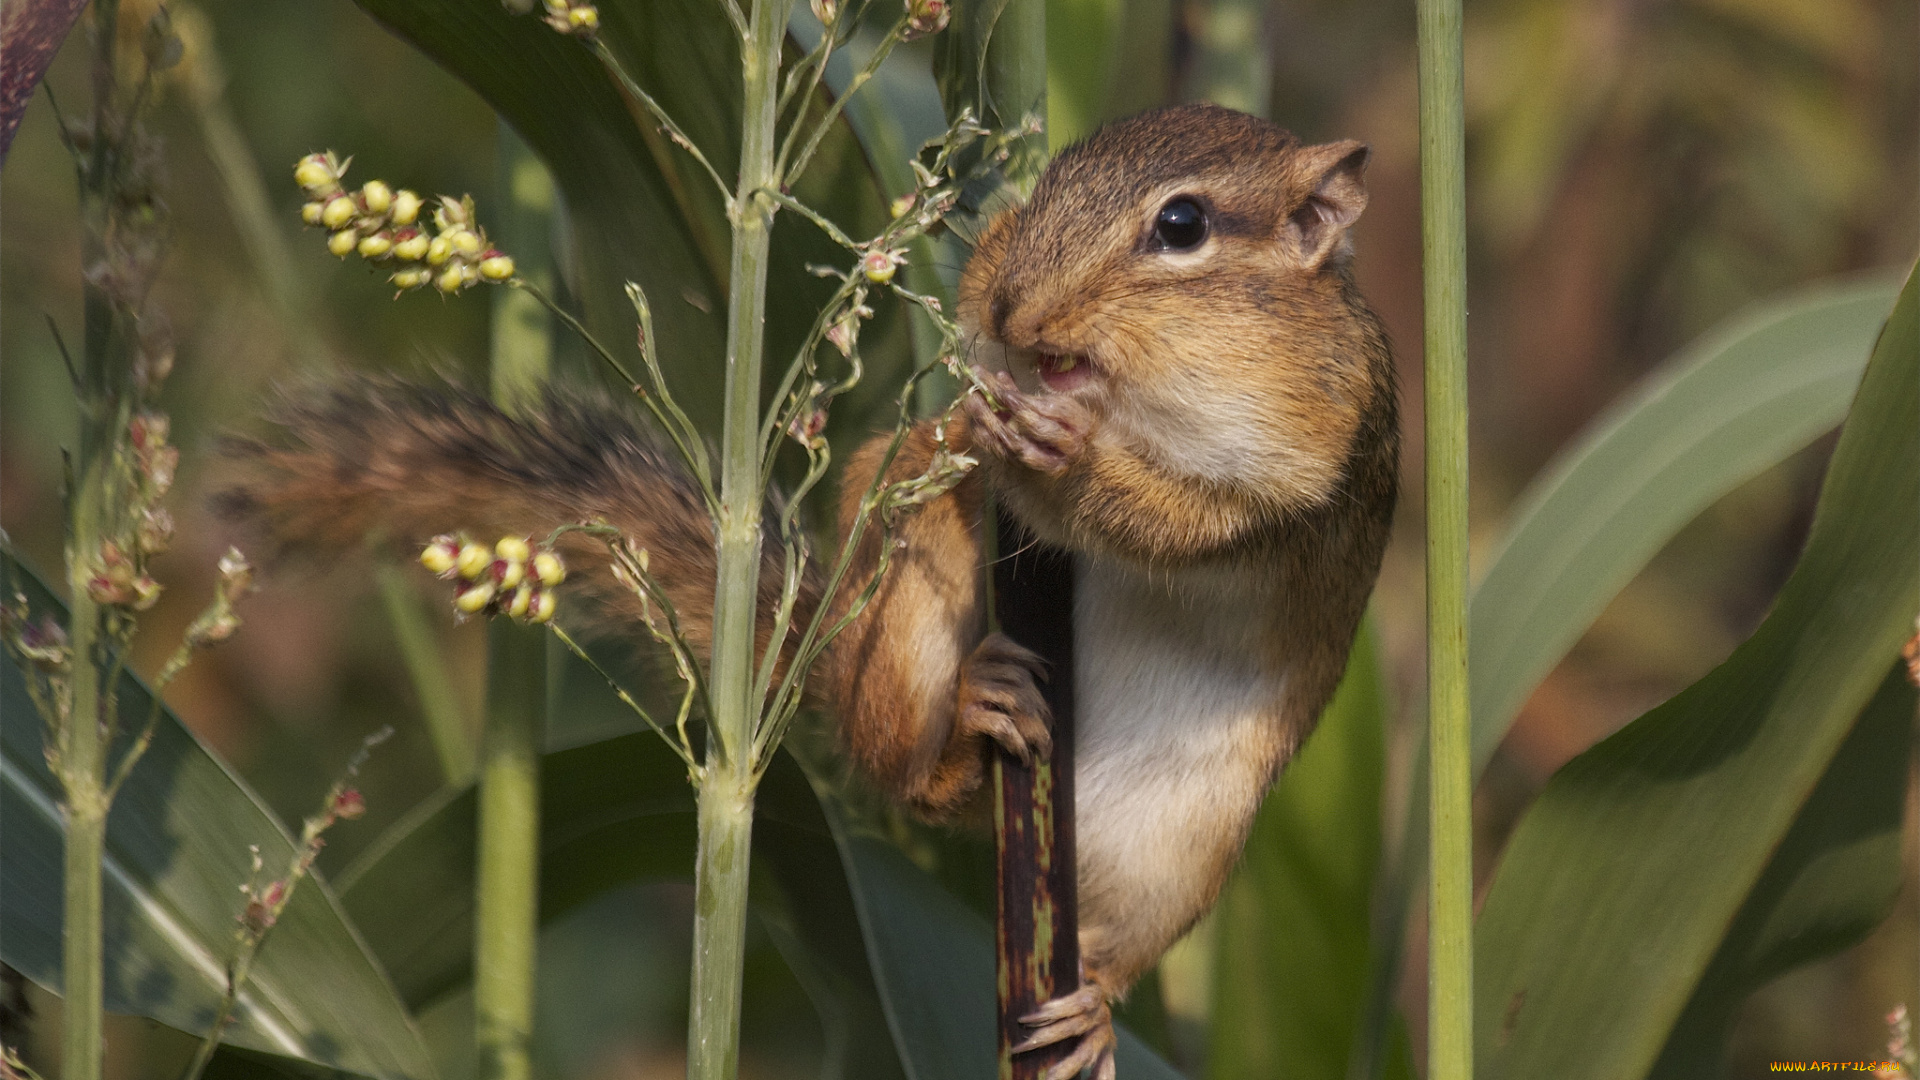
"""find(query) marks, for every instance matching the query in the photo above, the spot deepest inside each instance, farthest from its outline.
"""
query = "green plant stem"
(506, 902)
(727, 777)
(506, 918)
(420, 650)
(1443, 229)
(83, 744)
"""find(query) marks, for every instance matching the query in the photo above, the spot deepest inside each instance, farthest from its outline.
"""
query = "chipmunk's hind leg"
(1085, 1015)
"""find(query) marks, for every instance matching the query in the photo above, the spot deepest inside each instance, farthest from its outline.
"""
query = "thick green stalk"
(83, 763)
(1443, 234)
(83, 742)
(506, 918)
(727, 780)
(507, 908)
(83, 985)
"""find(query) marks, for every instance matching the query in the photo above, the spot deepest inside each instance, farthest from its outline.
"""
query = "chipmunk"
(1189, 395)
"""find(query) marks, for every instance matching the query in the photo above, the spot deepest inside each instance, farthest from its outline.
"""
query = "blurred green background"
(1639, 170)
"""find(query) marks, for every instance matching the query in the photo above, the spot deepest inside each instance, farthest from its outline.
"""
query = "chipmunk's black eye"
(1181, 226)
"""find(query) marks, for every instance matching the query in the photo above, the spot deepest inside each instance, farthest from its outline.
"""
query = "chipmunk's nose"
(997, 312)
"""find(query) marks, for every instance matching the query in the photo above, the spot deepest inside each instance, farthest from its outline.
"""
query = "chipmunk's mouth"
(1063, 371)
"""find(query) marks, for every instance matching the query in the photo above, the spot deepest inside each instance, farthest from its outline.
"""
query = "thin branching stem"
(833, 231)
(735, 16)
(809, 67)
(666, 416)
(679, 745)
(667, 124)
(788, 173)
(650, 356)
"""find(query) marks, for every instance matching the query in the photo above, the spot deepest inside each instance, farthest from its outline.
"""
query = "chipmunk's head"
(1186, 271)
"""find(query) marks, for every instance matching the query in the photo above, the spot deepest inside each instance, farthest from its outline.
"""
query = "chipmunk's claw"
(1083, 1014)
(1000, 697)
(1044, 432)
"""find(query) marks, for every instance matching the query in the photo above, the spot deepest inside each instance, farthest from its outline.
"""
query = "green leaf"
(612, 813)
(1082, 36)
(841, 911)
(1620, 887)
(177, 853)
(933, 962)
(1734, 404)
(1292, 946)
(1833, 880)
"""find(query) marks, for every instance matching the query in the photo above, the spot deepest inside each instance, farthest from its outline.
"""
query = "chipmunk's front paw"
(1044, 432)
(1000, 698)
(1083, 1015)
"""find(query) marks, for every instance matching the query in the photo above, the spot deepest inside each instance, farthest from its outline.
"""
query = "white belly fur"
(1175, 694)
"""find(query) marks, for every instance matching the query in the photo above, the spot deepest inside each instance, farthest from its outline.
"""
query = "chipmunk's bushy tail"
(378, 457)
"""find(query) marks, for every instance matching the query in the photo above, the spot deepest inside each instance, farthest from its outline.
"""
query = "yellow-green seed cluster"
(381, 225)
(571, 16)
(513, 577)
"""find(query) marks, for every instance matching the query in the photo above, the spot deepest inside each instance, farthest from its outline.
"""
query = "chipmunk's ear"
(1316, 231)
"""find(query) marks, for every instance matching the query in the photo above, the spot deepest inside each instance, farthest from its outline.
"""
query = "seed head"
(376, 197)
(339, 210)
(311, 212)
(439, 250)
(406, 207)
(541, 607)
(474, 598)
(496, 265)
(442, 553)
(410, 278)
(377, 246)
(410, 244)
(522, 600)
(450, 279)
(549, 569)
(343, 242)
(318, 173)
(472, 561)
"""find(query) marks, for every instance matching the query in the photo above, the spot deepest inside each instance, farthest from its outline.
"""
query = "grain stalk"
(1443, 235)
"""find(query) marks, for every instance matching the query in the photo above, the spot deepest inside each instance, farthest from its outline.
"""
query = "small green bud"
(439, 250)
(410, 244)
(311, 212)
(377, 246)
(406, 207)
(376, 197)
(343, 242)
(879, 265)
(339, 210)
(496, 265)
(450, 279)
(464, 241)
(548, 568)
(513, 549)
(442, 553)
(146, 592)
(583, 17)
(473, 560)
(475, 597)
